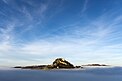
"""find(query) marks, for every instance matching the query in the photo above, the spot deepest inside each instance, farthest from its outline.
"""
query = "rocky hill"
(58, 63)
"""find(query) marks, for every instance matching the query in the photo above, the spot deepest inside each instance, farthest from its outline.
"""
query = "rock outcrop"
(62, 63)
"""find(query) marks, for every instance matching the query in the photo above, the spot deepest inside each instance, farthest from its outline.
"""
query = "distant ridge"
(95, 65)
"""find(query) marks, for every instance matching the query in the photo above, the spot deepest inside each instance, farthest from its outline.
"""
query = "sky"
(81, 31)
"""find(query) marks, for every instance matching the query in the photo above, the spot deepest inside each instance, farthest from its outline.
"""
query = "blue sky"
(81, 31)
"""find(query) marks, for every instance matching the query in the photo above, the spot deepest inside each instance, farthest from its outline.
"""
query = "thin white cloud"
(5, 1)
(6, 36)
(96, 36)
(85, 5)
(26, 13)
(5, 47)
(6, 32)
(37, 14)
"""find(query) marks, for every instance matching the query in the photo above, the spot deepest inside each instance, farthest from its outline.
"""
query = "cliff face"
(62, 63)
